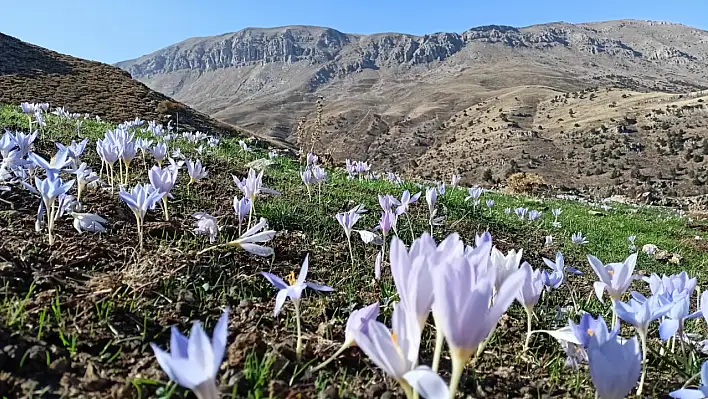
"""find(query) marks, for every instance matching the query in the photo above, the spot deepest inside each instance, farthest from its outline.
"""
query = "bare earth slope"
(34, 74)
(400, 100)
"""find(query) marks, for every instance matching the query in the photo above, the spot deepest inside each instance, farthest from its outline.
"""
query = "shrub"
(523, 182)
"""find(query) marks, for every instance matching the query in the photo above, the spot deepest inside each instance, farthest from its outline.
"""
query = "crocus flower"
(640, 314)
(474, 193)
(455, 180)
(196, 171)
(556, 212)
(505, 265)
(84, 176)
(575, 338)
(193, 363)
(294, 292)
(377, 265)
(159, 152)
(507, 211)
(529, 294)
(88, 222)
(49, 189)
(242, 207)
(578, 238)
(461, 307)
(521, 212)
(534, 215)
(163, 180)
(695, 393)
(615, 278)
(556, 277)
(412, 276)
(615, 366)
(674, 286)
(24, 141)
(490, 203)
(54, 166)
(206, 225)
(548, 241)
(406, 201)
(358, 321)
(395, 352)
(679, 312)
(141, 198)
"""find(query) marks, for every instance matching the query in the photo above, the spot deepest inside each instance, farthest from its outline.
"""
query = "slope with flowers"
(78, 316)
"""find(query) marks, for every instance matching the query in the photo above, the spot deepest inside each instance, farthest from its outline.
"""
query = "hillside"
(34, 74)
(402, 99)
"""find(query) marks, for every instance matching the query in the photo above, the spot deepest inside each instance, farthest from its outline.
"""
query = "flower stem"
(164, 206)
(351, 252)
(529, 319)
(439, 340)
(407, 389)
(614, 314)
(410, 226)
(643, 339)
(458, 366)
(298, 346)
(334, 356)
(206, 390)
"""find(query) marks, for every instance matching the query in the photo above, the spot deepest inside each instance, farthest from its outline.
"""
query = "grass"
(96, 302)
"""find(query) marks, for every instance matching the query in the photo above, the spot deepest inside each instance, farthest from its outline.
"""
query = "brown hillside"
(34, 74)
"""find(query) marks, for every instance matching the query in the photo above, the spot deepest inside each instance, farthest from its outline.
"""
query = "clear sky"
(117, 30)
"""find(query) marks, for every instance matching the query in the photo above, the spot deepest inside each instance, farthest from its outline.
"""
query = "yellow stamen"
(394, 338)
(612, 272)
(291, 278)
(590, 332)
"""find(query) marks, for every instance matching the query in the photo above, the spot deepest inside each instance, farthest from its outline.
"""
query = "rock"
(675, 259)
(330, 392)
(59, 365)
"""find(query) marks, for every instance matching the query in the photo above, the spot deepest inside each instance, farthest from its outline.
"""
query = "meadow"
(80, 310)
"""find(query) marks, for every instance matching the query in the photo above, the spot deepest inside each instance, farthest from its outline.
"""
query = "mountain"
(615, 103)
(35, 74)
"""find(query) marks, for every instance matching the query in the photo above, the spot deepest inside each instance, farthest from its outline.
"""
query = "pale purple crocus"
(462, 306)
(575, 338)
(534, 215)
(347, 220)
(84, 176)
(406, 201)
(196, 171)
(159, 152)
(358, 321)
(206, 225)
(615, 278)
(294, 292)
(242, 208)
(251, 186)
(455, 180)
(529, 294)
(507, 211)
(54, 166)
(412, 276)
(521, 212)
(393, 351)
(679, 312)
(251, 240)
(490, 203)
(193, 363)
(673, 285)
(557, 276)
(141, 198)
(640, 312)
(50, 189)
(24, 141)
(377, 265)
(88, 222)
(505, 265)
(578, 239)
(431, 197)
(615, 366)
(163, 180)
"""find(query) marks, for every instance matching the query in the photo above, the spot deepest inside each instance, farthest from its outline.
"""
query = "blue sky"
(112, 31)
